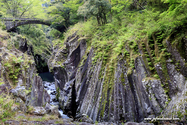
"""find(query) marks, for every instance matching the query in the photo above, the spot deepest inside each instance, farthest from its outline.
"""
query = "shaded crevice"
(75, 57)
(41, 64)
(60, 76)
(74, 105)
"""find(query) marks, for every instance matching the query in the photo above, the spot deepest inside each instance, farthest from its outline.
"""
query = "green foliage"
(37, 38)
(156, 76)
(12, 66)
(58, 93)
(64, 12)
(97, 8)
(120, 5)
(30, 109)
(96, 122)
(54, 33)
(180, 115)
(132, 29)
(22, 8)
(2, 26)
(5, 107)
(86, 29)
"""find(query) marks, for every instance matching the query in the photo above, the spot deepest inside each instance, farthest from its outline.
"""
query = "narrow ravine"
(49, 85)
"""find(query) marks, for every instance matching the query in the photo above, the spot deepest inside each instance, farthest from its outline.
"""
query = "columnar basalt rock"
(39, 96)
(129, 95)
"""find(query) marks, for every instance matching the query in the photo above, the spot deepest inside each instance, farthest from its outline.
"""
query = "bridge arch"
(12, 23)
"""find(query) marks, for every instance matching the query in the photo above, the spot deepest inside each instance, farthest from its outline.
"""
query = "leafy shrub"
(12, 66)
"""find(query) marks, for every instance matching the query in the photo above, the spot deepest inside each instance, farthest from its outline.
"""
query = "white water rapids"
(50, 87)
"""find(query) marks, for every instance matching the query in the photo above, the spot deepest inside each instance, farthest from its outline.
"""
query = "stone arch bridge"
(12, 23)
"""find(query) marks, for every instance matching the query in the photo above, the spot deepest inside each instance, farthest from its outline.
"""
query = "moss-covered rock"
(20, 85)
(117, 88)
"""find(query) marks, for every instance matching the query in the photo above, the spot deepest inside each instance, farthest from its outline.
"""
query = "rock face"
(18, 76)
(129, 94)
(52, 109)
(23, 46)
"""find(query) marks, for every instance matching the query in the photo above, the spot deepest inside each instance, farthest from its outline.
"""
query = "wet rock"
(52, 109)
(53, 93)
(27, 87)
(38, 111)
(54, 100)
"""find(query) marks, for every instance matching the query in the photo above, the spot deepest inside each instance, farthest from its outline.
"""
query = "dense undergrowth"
(145, 30)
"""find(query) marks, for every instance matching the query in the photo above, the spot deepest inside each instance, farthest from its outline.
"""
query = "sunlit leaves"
(97, 8)
(64, 12)
(37, 38)
(119, 5)
(22, 8)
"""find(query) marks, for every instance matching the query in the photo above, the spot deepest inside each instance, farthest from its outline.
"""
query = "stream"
(49, 85)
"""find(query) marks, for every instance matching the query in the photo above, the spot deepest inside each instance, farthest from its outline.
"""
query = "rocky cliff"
(19, 80)
(92, 80)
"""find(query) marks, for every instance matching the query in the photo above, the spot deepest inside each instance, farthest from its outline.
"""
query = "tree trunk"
(98, 20)
(104, 17)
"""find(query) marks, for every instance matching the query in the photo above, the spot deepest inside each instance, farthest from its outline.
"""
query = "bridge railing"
(19, 19)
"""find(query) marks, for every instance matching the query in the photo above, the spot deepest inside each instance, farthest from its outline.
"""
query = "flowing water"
(49, 85)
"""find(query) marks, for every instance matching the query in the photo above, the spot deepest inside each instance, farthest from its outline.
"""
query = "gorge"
(108, 63)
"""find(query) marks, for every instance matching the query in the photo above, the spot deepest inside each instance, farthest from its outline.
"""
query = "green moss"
(6, 102)
(59, 122)
(27, 91)
(13, 67)
(179, 114)
(156, 76)
(108, 84)
(113, 42)
(58, 93)
(122, 78)
(30, 109)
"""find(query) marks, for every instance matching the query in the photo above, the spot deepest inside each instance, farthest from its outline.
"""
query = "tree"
(97, 8)
(22, 8)
(37, 38)
(64, 12)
